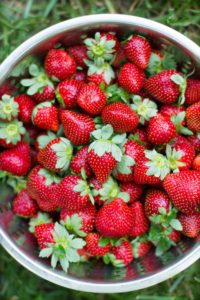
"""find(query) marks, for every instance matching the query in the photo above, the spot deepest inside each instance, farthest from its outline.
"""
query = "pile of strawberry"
(102, 146)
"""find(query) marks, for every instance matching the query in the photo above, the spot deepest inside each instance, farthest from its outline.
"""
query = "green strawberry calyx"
(12, 131)
(136, 243)
(8, 108)
(17, 183)
(44, 139)
(111, 258)
(74, 224)
(174, 158)
(50, 177)
(63, 150)
(178, 120)
(38, 82)
(105, 69)
(124, 166)
(158, 165)
(136, 137)
(158, 64)
(83, 187)
(40, 218)
(64, 249)
(145, 108)
(115, 93)
(182, 83)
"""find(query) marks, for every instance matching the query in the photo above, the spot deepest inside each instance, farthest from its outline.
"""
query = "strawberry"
(193, 117)
(114, 219)
(140, 246)
(77, 127)
(132, 189)
(81, 222)
(91, 99)
(174, 236)
(190, 224)
(138, 51)
(38, 219)
(192, 93)
(48, 93)
(60, 64)
(55, 241)
(96, 186)
(67, 91)
(121, 254)
(79, 161)
(23, 205)
(101, 78)
(56, 155)
(45, 116)
(79, 53)
(140, 136)
(9, 109)
(120, 116)
(25, 106)
(17, 160)
(163, 88)
(120, 57)
(184, 190)
(94, 245)
(156, 199)
(43, 187)
(80, 75)
(75, 193)
(195, 141)
(11, 133)
(42, 140)
(140, 222)
(132, 83)
(196, 163)
(169, 110)
(160, 130)
(6, 88)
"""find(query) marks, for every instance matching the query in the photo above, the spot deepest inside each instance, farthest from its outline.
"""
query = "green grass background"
(19, 20)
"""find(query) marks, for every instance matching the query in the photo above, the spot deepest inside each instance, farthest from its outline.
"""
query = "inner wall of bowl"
(16, 228)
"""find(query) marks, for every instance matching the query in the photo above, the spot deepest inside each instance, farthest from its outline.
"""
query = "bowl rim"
(40, 269)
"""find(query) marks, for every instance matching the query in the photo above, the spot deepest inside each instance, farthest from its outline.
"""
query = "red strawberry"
(99, 78)
(160, 130)
(17, 160)
(80, 75)
(110, 37)
(24, 205)
(138, 51)
(169, 110)
(140, 136)
(79, 53)
(60, 64)
(6, 88)
(79, 161)
(121, 254)
(56, 156)
(134, 190)
(140, 222)
(192, 93)
(196, 163)
(195, 141)
(77, 127)
(96, 186)
(184, 190)
(91, 99)
(156, 199)
(44, 234)
(11, 133)
(9, 109)
(141, 246)
(190, 224)
(45, 116)
(132, 83)
(93, 245)
(38, 219)
(47, 94)
(120, 57)
(80, 222)
(162, 87)
(193, 117)
(44, 188)
(120, 116)
(174, 236)
(114, 219)
(67, 92)
(25, 106)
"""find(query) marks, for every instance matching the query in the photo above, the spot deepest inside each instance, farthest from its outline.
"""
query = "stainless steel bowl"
(93, 277)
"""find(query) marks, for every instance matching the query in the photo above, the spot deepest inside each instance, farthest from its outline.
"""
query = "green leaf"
(103, 241)
(46, 252)
(176, 224)
(178, 79)
(119, 138)
(77, 243)
(116, 152)
(107, 132)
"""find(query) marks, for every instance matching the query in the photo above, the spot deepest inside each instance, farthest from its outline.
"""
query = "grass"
(21, 19)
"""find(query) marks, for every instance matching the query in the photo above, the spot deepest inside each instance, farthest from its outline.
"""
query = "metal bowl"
(94, 276)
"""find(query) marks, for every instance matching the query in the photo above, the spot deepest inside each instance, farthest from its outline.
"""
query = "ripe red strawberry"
(60, 64)
(195, 141)
(192, 93)
(169, 110)
(44, 234)
(93, 245)
(121, 254)
(77, 127)
(193, 117)
(75, 193)
(25, 106)
(91, 99)
(11, 133)
(47, 94)
(80, 75)
(140, 246)
(56, 155)
(196, 163)
(43, 186)
(162, 87)
(6, 88)
(138, 51)
(96, 186)
(156, 199)
(120, 57)
(140, 136)
(99, 78)
(9, 109)
(160, 130)
(114, 219)
(132, 83)
(174, 236)
(140, 222)
(67, 91)
(45, 116)
(79, 53)
(133, 189)
(38, 219)
(184, 190)
(80, 222)
(190, 224)
(120, 116)
(17, 160)
(79, 161)
(110, 37)
(23, 205)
